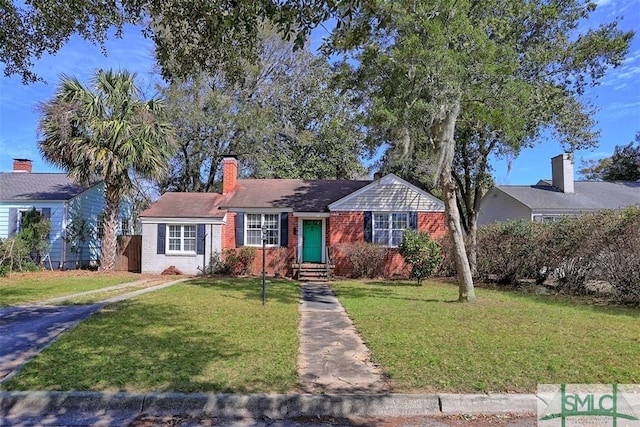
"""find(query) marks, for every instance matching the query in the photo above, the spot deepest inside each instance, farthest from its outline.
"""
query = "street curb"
(274, 406)
(478, 403)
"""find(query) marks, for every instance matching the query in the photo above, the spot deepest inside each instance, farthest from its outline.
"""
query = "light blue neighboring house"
(61, 200)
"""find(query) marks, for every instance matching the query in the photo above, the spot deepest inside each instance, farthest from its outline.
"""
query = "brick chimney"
(562, 172)
(22, 165)
(229, 174)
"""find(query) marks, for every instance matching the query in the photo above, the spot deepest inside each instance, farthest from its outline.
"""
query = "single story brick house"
(306, 222)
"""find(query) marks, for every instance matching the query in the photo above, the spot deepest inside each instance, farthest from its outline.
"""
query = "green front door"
(312, 240)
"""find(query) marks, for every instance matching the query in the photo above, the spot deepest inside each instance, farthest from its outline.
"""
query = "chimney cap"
(230, 155)
(22, 160)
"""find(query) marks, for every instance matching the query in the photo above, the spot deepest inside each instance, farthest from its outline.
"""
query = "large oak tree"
(491, 73)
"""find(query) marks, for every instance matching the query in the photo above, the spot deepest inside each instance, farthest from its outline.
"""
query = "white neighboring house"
(548, 200)
(181, 230)
(58, 198)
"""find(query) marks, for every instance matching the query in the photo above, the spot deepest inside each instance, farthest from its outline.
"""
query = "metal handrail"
(328, 264)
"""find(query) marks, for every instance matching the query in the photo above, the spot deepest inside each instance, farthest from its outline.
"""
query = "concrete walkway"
(332, 357)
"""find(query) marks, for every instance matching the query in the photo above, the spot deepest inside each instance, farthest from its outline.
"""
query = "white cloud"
(620, 110)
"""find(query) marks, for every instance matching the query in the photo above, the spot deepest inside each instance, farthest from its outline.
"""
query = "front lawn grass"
(25, 288)
(205, 335)
(503, 342)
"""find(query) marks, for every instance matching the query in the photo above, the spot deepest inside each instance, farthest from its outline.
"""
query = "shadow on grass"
(384, 290)
(132, 346)
(593, 303)
(251, 288)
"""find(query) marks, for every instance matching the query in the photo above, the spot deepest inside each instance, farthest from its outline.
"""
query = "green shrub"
(367, 259)
(216, 265)
(506, 251)
(237, 262)
(620, 257)
(35, 229)
(15, 255)
(421, 252)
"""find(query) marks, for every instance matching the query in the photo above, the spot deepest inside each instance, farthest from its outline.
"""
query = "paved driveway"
(26, 330)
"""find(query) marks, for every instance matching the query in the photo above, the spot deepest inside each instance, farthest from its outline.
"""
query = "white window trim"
(390, 230)
(182, 238)
(246, 229)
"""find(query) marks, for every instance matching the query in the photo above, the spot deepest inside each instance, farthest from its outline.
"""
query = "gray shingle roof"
(298, 194)
(38, 186)
(588, 195)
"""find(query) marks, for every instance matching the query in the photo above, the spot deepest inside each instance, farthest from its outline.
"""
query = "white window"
(182, 238)
(388, 228)
(253, 229)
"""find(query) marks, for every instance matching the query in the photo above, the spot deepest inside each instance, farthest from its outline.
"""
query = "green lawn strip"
(36, 287)
(99, 296)
(198, 336)
(503, 342)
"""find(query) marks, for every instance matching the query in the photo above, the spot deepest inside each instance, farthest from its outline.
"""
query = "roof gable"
(389, 193)
(38, 187)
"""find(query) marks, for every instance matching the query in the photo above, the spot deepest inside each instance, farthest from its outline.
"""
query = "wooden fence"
(129, 257)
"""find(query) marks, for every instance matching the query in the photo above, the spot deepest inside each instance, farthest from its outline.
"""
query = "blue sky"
(618, 97)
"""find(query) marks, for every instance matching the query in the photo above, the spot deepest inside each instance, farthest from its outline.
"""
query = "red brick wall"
(435, 223)
(278, 260)
(348, 227)
(229, 232)
(229, 175)
(342, 228)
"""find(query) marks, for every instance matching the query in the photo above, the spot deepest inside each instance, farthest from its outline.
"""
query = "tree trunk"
(110, 229)
(473, 243)
(443, 132)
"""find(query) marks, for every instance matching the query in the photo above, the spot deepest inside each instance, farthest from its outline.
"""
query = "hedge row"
(574, 253)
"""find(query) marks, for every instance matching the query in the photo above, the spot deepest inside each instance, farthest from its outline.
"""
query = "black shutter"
(13, 221)
(284, 229)
(368, 227)
(200, 239)
(162, 231)
(239, 229)
(413, 220)
(46, 212)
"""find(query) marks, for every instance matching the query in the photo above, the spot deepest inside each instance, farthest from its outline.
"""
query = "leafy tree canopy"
(623, 165)
(188, 35)
(282, 118)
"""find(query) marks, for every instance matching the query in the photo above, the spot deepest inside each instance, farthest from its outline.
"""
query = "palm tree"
(106, 131)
